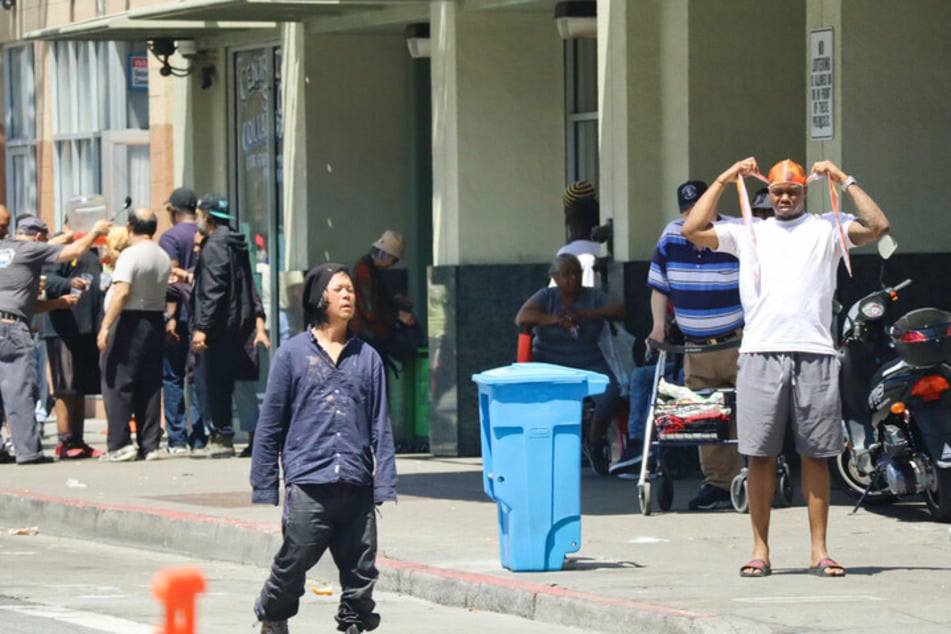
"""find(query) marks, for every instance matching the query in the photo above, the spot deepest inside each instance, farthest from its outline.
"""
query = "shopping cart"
(678, 417)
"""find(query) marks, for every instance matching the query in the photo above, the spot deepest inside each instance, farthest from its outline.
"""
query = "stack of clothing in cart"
(682, 414)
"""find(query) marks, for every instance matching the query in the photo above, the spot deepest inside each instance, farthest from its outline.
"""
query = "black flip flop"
(756, 568)
(826, 563)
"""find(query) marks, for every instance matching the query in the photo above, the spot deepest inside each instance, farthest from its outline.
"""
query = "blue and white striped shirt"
(703, 285)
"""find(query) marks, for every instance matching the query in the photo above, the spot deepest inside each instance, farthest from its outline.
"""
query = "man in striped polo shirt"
(703, 287)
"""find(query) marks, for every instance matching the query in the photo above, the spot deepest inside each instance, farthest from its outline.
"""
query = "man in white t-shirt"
(131, 339)
(788, 370)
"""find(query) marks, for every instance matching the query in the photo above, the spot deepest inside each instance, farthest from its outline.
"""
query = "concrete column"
(644, 82)
(498, 136)
(442, 26)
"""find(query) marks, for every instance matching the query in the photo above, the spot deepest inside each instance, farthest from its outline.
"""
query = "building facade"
(313, 117)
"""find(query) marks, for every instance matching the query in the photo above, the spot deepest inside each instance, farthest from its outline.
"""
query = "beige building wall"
(511, 137)
(689, 87)
(893, 111)
(358, 143)
(747, 87)
(498, 117)
(205, 130)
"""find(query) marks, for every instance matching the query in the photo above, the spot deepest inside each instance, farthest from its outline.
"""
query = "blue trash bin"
(530, 416)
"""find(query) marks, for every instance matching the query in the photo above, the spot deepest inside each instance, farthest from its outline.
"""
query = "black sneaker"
(599, 456)
(631, 458)
(710, 498)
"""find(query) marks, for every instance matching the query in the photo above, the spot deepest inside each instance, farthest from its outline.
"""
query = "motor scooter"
(896, 402)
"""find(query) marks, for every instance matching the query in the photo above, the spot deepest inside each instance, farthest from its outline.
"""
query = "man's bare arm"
(698, 227)
(872, 223)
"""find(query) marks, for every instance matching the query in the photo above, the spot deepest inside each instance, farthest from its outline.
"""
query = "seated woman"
(567, 320)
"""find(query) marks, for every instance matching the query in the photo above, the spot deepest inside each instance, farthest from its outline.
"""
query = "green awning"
(122, 27)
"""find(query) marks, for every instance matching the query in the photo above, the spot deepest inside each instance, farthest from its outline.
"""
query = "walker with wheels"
(685, 418)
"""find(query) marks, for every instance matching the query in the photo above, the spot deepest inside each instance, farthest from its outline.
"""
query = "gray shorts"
(797, 389)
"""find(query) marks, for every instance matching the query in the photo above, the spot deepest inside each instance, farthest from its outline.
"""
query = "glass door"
(255, 154)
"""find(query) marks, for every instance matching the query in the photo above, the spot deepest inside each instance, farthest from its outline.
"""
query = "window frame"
(575, 117)
(81, 134)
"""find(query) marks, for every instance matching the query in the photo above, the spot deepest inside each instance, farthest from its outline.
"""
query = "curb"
(255, 543)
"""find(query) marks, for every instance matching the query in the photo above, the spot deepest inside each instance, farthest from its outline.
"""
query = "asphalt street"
(674, 572)
(63, 586)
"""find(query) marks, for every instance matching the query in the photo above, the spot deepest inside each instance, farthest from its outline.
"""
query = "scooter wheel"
(644, 498)
(665, 491)
(784, 487)
(938, 497)
(738, 495)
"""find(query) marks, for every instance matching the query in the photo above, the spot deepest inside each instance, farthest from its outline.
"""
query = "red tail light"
(912, 336)
(930, 387)
(948, 332)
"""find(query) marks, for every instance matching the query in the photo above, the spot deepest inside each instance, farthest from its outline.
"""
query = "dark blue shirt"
(329, 423)
(178, 242)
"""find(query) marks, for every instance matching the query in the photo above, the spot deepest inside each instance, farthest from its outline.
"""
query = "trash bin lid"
(542, 373)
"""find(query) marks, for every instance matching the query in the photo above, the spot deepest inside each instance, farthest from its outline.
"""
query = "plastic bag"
(617, 346)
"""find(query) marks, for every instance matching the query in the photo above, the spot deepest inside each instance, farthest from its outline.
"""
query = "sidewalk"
(669, 572)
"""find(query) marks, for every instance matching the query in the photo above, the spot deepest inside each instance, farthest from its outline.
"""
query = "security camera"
(187, 48)
(8, 4)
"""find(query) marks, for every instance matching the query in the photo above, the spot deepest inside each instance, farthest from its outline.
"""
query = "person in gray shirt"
(567, 320)
(21, 261)
(131, 341)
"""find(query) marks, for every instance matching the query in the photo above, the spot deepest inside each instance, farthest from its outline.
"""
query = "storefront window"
(20, 126)
(91, 95)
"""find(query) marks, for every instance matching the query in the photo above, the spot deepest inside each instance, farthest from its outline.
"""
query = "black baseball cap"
(183, 198)
(689, 193)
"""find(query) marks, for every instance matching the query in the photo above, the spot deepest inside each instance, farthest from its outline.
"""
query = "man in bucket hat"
(227, 322)
(788, 371)
(325, 420)
(380, 312)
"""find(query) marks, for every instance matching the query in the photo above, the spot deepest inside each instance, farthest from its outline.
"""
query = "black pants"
(132, 379)
(216, 370)
(340, 517)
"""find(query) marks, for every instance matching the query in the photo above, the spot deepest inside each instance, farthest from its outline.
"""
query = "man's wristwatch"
(848, 182)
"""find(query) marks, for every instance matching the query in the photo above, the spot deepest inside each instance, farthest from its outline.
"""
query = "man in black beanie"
(326, 421)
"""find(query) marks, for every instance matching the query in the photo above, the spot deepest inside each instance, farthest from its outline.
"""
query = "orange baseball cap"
(787, 171)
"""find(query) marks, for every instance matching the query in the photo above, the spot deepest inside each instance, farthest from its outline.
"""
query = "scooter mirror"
(887, 245)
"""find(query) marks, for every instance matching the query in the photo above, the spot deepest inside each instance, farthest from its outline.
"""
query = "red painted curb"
(534, 588)
(382, 562)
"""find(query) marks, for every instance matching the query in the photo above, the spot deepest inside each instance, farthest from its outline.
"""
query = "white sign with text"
(821, 113)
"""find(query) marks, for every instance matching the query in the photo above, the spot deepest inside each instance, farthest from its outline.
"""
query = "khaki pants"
(719, 463)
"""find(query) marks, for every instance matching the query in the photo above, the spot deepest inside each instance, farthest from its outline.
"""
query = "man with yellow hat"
(788, 371)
